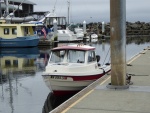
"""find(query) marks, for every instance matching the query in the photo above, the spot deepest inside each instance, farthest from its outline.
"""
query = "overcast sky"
(95, 10)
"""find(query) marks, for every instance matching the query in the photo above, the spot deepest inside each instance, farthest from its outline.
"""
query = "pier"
(97, 98)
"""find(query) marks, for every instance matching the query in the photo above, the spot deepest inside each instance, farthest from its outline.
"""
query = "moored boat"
(17, 34)
(93, 36)
(71, 68)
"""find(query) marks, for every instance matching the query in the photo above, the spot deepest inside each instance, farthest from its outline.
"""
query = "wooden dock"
(97, 98)
(45, 43)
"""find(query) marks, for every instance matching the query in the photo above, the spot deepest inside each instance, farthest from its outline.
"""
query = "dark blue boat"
(27, 41)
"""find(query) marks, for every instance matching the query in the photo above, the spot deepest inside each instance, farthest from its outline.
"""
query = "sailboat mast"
(7, 7)
(1, 1)
(68, 12)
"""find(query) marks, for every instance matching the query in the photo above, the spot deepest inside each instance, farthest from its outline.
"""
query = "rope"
(54, 6)
(19, 5)
(106, 56)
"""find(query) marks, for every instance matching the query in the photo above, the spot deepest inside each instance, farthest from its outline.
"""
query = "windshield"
(70, 56)
(76, 56)
(57, 56)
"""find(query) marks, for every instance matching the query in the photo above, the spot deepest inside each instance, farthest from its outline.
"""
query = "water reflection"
(16, 66)
(18, 60)
(22, 89)
(43, 58)
(15, 63)
(138, 40)
(52, 101)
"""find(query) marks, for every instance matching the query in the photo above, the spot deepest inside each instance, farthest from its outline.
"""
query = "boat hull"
(27, 41)
(61, 84)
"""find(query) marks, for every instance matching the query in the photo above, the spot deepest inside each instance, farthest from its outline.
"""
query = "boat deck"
(97, 98)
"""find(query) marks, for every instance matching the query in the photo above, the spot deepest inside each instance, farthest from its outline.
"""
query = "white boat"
(79, 32)
(71, 68)
(94, 38)
(63, 32)
(66, 35)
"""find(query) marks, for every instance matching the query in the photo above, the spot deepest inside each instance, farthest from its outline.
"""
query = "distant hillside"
(137, 28)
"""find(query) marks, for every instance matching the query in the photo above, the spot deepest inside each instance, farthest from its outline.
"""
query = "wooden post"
(118, 43)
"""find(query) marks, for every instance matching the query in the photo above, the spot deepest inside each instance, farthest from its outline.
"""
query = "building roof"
(18, 2)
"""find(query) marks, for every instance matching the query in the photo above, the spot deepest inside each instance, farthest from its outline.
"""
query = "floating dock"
(97, 98)
(51, 43)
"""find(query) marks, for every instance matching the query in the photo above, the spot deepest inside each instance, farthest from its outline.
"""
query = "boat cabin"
(9, 30)
(73, 54)
(61, 21)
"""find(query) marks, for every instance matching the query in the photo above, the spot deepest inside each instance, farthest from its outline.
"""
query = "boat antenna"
(54, 6)
(6, 12)
(1, 8)
(68, 11)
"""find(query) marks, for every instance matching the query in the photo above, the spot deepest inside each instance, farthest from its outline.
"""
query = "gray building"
(21, 8)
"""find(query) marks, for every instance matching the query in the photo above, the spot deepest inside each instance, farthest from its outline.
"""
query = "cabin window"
(26, 32)
(14, 31)
(6, 31)
(57, 56)
(91, 56)
(15, 63)
(76, 56)
(7, 63)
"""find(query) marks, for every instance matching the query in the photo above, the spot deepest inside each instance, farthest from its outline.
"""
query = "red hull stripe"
(89, 77)
(60, 93)
(81, 78)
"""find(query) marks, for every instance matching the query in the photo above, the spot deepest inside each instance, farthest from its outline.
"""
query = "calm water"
(22, 89)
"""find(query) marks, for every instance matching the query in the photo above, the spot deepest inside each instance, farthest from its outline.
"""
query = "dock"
(97, 98)
(51, 43)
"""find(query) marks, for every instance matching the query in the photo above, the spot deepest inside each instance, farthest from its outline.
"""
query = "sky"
(94, 10)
